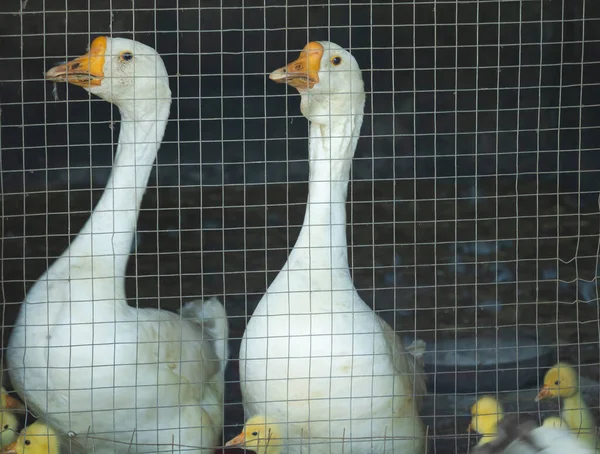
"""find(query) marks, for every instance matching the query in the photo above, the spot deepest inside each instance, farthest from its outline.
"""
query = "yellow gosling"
(563, 382)
(9, 425)
(37, 438)
(260, 435)
(486, 413)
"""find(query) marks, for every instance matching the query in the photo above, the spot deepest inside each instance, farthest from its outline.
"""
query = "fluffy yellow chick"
(37, 438)
(9, 402)
(260, 435)
(486, 413)
(554, 422)
(562, 381)
(10, 428)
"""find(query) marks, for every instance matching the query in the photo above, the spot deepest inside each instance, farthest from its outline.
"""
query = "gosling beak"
(10, 449)
(543, 394)
(85, 71)
(470, 427)
(237, 442)
(302, 73)
(11, 403)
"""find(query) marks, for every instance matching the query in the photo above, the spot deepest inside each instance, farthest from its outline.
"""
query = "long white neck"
(322, 243)
(109, 231)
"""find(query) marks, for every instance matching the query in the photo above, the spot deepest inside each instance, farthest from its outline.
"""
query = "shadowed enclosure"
(473, 205)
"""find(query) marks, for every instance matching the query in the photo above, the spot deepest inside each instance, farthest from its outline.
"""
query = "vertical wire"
(597, 265)
(3, 365)
(245, 155)
(265, 166)
(69, 213)
(558, 153)
(518, 128)
(91, 167)
(181, 340)
(435, 166)
(476, 215)
(200, 164)
(222, 139)
(180, 217)
(415, 180)
(266, 183)
(351, 254)
(538, 150)
(372, 200)
(579, 141)
(456, 192)
(46, 179)
(496, 200)
(392, 201)
(245, 201)
(46, 157)
(135, 254)
(287, 157)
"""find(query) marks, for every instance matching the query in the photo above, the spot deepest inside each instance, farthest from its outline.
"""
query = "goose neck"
(111, 227)
(322, 240)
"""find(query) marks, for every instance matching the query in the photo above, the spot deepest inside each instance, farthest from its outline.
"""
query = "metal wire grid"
(474, 202)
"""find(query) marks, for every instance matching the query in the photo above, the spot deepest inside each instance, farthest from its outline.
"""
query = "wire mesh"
(473, 207)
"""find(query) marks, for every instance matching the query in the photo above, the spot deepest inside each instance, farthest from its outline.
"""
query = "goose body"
(555, 422)
(79, 355)
(314, 356)
(526, 437)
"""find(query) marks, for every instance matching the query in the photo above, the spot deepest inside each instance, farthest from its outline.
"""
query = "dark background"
(475, 194)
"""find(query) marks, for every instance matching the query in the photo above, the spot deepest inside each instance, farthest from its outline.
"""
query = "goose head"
(328, 79)
(124, 72)
(560, 381)
(260, 435)
(37, 438)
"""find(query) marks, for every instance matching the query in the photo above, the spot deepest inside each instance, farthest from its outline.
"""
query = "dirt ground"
(432, 258)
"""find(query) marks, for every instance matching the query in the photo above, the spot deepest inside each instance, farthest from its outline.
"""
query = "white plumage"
(79, 355)
(314, 355)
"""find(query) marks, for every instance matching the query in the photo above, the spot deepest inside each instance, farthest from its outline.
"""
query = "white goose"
(314, 355)
(79, 355)
(525, 437)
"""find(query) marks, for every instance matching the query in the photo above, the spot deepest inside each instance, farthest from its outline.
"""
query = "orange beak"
(10, 449)
(302, 73)
(11, 403)
(237, 442)
(543, 394)
(85, 71)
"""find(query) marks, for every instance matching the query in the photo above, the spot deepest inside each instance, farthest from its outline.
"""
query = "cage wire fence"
(473, 205)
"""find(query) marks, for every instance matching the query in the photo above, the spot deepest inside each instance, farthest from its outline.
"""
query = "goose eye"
(27, 442)
(5, 426)
(255, 434)
(557, 382)
(336, 61)
(126, 55)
